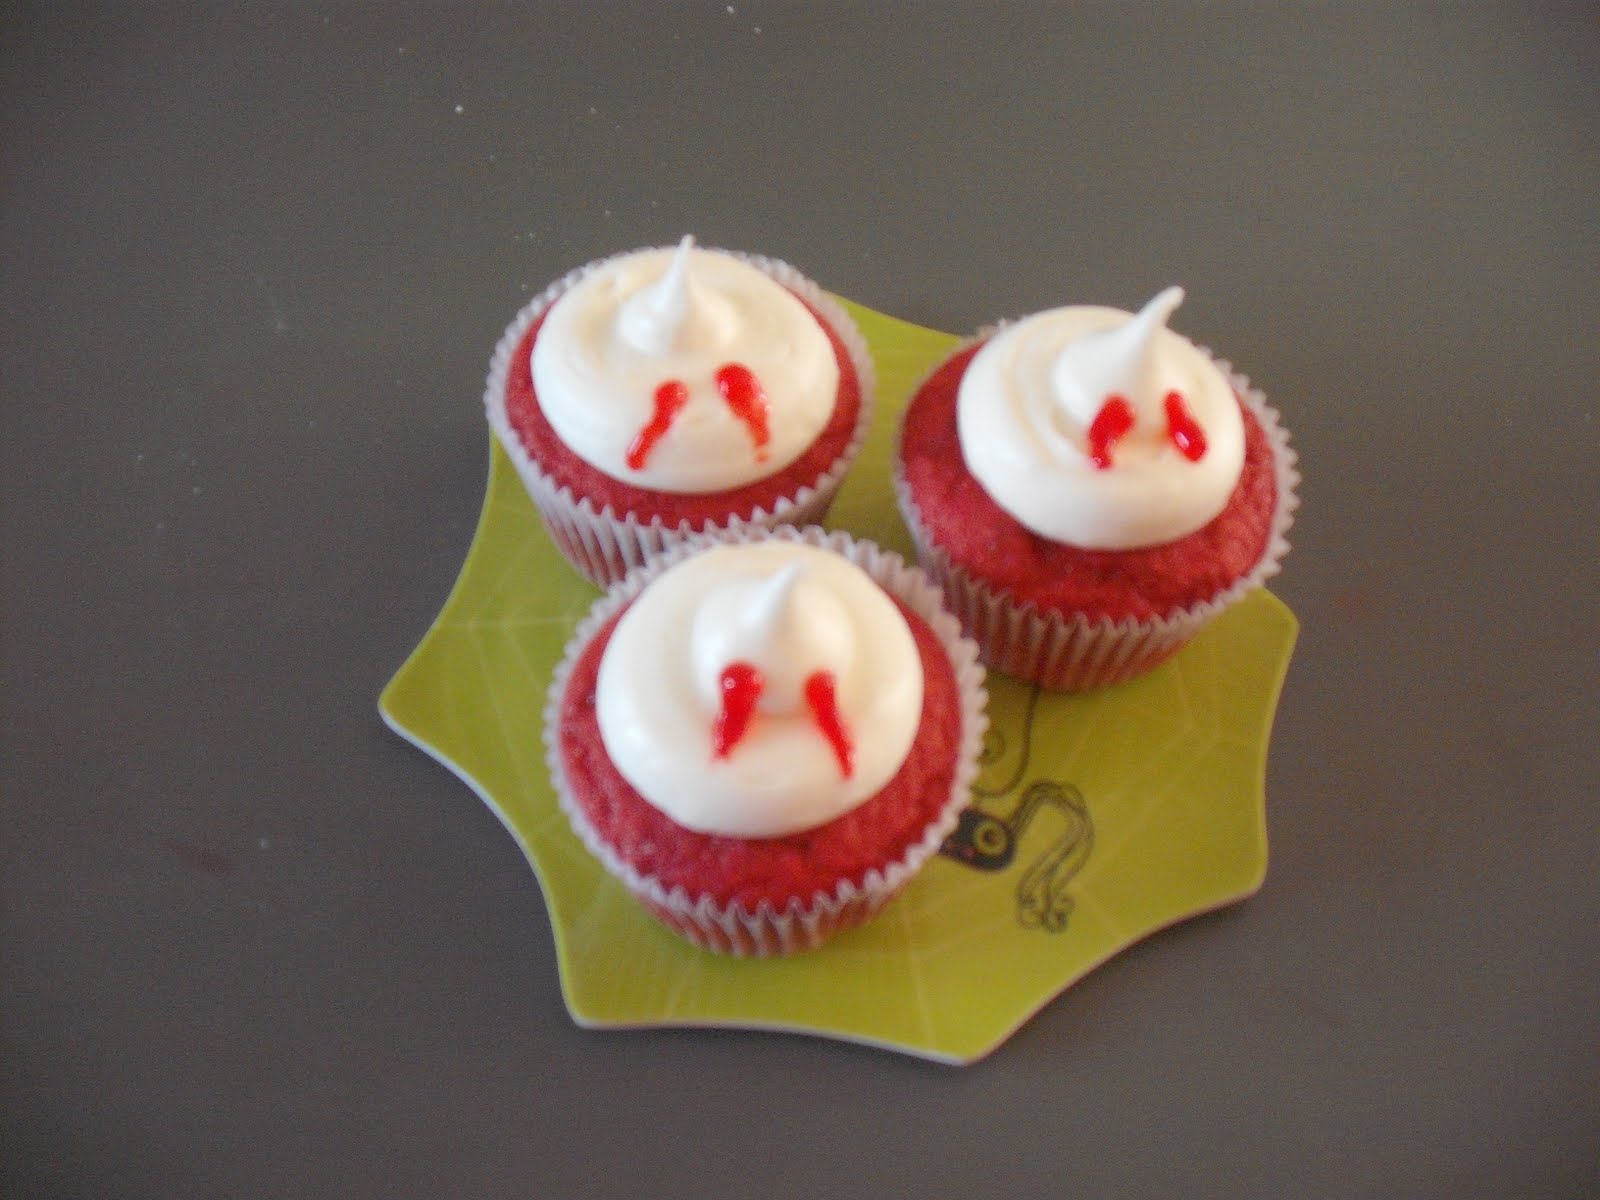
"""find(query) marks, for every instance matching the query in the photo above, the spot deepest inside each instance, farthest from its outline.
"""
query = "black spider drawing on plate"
(988, 841)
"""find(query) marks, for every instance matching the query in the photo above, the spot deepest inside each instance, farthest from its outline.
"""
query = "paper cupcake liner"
(1073, 652)
(605, 545)
(804, 923)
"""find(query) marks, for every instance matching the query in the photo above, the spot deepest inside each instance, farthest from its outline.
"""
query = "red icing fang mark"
(824, 706)
(741, 688)
(671, 396)
(1110, 425)
(743, 394)
(1183, 431)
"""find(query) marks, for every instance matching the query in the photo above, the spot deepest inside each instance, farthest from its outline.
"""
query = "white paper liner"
(603, 545)
(1071, 652)
(803, 924)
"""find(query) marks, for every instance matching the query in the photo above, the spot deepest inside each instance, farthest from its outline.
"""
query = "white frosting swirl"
(1030, 396)
(642, 320)
(789, 610)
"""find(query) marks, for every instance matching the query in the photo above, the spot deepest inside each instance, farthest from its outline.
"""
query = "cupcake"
(662, 393)
(1090, 489)
(765, 737)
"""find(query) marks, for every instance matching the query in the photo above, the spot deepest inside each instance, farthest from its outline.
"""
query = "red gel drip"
(741, 688)
(825, 709)
(1183, 431)
(671, 396)
(1110, 425)
(742, 392)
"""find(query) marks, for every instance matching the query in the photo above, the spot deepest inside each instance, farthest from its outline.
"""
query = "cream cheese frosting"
(684, 370)
(1100, 428)
(832, 714)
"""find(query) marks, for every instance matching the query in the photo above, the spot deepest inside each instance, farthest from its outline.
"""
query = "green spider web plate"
(1101, 818)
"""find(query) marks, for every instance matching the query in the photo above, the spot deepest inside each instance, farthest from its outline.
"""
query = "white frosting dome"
(747, 377)
(1035, 431)
(791, 614)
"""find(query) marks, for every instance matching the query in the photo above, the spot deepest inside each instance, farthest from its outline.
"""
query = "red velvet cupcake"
(662, 393)
(1090, 489)
(764, 737)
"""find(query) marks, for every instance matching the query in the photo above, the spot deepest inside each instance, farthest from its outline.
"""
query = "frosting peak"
(1117, 361)
(758, 690)
(1100, 428)
(785, 626)
(652, 319)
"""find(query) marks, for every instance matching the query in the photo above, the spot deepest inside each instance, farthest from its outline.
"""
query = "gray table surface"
(254, 259)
